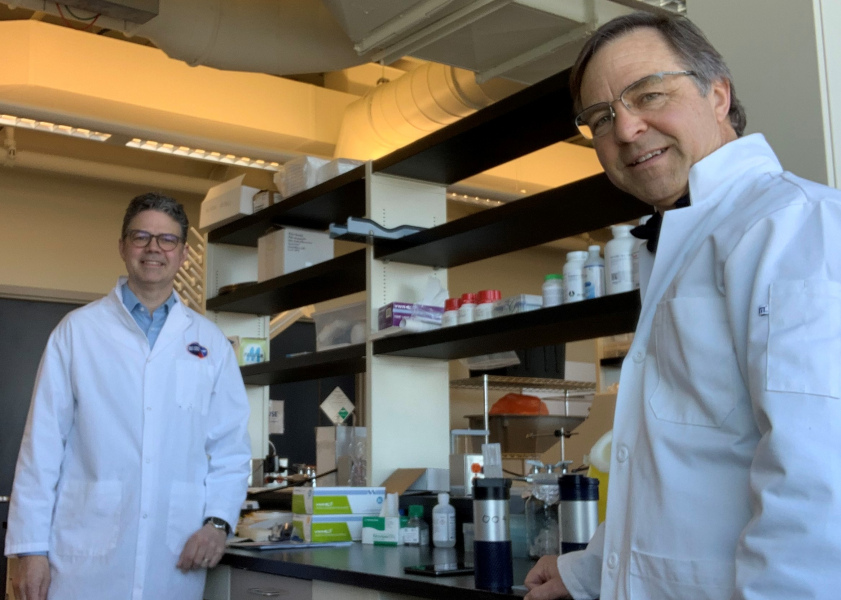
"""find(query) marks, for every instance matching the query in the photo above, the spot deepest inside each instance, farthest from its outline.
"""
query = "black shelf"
(609, 315)
(347, 360)
(529, 120)
(330, 202)
(584, 205)
(331, 279)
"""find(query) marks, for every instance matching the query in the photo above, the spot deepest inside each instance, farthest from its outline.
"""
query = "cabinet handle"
(266, 592)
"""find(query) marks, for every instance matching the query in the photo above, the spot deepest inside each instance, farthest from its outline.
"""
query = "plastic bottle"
(444, 523)
(574, 276)
(485, 307)
(553, 290)
(467, 308)
(594, 273)
(619, 263)
(416, 532)
(450, 316)
(636, 257)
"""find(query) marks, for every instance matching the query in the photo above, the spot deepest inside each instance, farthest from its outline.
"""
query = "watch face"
(217, 523)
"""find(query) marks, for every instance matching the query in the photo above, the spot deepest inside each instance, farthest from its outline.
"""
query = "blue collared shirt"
(150, 324)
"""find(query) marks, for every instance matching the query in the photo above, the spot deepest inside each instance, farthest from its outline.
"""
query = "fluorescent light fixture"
(474, 200)
(229, 159)
(77, 132)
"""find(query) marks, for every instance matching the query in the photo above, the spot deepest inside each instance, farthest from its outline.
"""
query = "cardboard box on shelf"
(328, 528)
(226, 202)
(264, 199)
(290, 249)
(338, 500)
(393, 313)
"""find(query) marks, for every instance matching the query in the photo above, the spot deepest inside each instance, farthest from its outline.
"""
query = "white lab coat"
(725, 477)
(126, 451)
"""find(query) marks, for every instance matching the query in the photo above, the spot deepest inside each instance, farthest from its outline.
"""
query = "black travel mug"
(493, 570)
(578, 511)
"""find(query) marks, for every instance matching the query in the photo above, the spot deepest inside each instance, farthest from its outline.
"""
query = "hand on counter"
(544, 581)
(203, 550)
(32, 579)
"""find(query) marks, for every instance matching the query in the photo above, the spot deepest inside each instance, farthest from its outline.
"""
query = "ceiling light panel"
(46, 126)
(218, 157)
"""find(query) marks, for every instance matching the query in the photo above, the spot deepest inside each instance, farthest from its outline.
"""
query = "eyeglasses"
(646, 95)
(141, 239)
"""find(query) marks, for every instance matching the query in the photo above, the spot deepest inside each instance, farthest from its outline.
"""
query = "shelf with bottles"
(605, 316)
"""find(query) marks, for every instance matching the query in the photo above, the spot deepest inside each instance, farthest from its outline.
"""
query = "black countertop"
(373, 567)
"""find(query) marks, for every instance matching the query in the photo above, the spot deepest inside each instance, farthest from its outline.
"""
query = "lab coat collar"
(178, 320)
(724, 169)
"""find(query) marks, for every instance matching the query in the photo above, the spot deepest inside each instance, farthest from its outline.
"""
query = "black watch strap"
(218, 523)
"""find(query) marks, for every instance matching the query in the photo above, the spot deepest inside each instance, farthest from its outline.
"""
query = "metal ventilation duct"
(134, 11)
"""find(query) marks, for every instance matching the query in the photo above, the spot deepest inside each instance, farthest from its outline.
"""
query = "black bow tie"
(650, 230)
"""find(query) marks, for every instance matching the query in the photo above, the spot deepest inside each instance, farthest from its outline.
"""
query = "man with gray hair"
(724, 465)
(135, 456)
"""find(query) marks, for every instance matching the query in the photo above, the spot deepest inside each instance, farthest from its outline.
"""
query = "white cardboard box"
(226, 202)
(290, 249)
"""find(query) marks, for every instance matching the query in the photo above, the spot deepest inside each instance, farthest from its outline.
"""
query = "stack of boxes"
(334, 514)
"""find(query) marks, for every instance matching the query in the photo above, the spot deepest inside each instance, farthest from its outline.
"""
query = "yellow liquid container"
(599, 459)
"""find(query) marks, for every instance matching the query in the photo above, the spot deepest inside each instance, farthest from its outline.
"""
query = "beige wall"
(61, 233)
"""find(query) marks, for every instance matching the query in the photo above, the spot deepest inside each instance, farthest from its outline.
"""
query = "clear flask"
(541, 508)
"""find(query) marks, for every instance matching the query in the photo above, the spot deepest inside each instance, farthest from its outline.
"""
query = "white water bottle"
(574, 276)
(594, 273)
(619, 260)
(444, 523)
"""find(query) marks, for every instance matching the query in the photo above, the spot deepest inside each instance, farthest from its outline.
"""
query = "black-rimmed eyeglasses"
(140, 239)
(648, 94)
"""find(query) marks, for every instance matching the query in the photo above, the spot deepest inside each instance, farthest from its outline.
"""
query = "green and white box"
(383, 531)
(338, 500)
(328, 528)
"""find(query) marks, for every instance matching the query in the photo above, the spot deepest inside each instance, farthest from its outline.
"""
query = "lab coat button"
(148, 408)
(145, 515)
(622, 454)
(148, 461)
(612, 560)
(639, 355)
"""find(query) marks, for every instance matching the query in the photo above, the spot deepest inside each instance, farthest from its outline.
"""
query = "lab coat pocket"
(87, 518)
(699, 376)
(804, 337)
(662, 578)
(193, 385)
(186, 509)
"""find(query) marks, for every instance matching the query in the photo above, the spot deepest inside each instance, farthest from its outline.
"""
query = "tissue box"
(226, 202)
(383, 531)
(338, 500)
(393, 313)
(290, 249)
(328, 528)
(337, 167)
(517, 304)
(250, 351)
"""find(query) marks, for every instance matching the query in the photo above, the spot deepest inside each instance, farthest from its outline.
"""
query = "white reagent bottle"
(619, 260)
(444, 523)
(594, 273)
(574, 276)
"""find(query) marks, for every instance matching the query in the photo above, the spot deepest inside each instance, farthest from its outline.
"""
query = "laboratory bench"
(354, 572)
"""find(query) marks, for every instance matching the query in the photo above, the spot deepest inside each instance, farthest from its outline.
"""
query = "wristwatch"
(218, 523)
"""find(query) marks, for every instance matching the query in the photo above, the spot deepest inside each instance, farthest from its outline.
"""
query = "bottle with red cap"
(466, 308)
(450, 316)
(485, 307)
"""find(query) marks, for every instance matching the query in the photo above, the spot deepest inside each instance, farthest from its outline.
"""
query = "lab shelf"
(608, 315)
(505, 382)
(537, 219)
(330, 279)
(346, 360)
(330, 202)
(529, 120)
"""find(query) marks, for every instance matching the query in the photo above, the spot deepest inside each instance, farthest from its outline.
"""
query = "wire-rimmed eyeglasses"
(140, 239)
(644, 95)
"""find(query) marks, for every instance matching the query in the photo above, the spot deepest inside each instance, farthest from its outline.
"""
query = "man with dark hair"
(723, 474)
(135, 457)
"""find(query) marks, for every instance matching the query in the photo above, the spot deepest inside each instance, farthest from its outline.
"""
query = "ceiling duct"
(134, 11)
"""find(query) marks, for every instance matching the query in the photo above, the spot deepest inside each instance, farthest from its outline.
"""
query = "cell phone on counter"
(441, 569)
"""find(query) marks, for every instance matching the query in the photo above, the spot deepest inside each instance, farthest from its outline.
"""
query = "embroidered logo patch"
(197, 349)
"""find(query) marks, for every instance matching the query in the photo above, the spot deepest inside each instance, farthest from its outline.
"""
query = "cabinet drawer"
(250, 585)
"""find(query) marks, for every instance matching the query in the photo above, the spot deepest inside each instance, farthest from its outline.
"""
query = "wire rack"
(503, 382)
